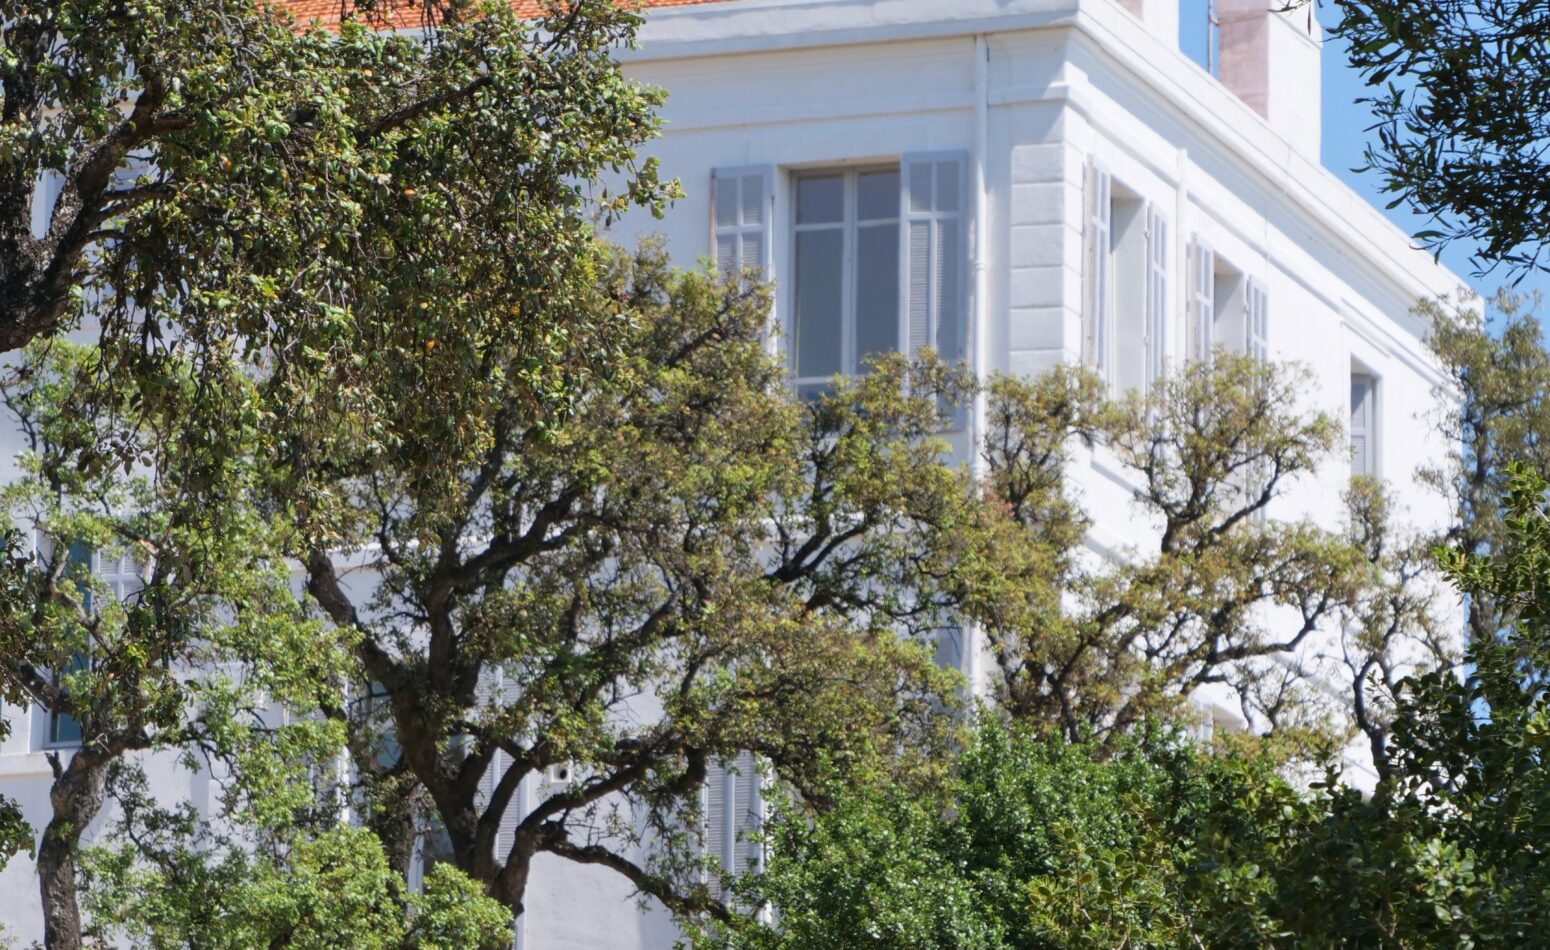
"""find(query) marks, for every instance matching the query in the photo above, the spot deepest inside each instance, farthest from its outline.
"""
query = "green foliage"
(1495, 411)
(1095, 646)
(333, 889)
(301, 259)
(688, 565)
(1458, 88)
(1035, 842)
(353, 214)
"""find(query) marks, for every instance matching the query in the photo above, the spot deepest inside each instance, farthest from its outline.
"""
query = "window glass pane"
(816, 331)
(821, 200)
(62, 727)
(877, 290)
(877, 195)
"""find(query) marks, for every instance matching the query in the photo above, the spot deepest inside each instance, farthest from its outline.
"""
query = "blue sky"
(1345, 137)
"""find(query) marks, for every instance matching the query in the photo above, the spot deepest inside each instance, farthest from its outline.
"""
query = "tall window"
(1258, 321)
(1126, 247)
(846, 277)
(1364, 424)
(116, 578)
(1226, 307)
(878, 258)
(63, 728)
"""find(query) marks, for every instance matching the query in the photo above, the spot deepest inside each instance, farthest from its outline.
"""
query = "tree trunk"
(76, 797)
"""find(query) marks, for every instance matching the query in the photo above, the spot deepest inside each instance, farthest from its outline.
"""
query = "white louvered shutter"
(485, 694)
(1098, 305)
(1258, 321)
(1156, 295)
(1363, 424)
(499, 690)
(935, 252)
(1202, 312)
(743, 200)
(516, 809)
(732, 813)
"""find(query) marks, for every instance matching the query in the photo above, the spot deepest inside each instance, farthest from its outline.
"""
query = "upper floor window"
(1364, 423)
(115, 576)
(877, 259)
(63, 728)
(1227, 308)
(1124, 320)
(845, 273)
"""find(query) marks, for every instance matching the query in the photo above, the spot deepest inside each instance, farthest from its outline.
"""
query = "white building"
(1016, 182)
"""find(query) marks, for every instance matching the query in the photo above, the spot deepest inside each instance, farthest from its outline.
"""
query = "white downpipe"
(981, 311)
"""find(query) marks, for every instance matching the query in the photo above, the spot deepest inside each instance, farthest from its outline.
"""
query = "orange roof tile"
(407, 13)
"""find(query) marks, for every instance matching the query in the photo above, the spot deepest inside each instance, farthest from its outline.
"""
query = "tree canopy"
(289, 252)
(1459, 91)
(1036, 841)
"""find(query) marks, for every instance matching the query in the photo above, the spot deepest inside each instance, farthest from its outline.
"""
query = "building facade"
(1016, 183)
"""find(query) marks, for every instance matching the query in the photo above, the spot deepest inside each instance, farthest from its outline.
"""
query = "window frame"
(54, 717)
(850, 226)
(1371, 430)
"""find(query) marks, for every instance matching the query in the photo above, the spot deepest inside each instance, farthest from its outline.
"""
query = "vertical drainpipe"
(981, 311)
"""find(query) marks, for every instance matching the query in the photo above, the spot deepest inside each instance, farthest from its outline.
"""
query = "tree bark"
(76, 798)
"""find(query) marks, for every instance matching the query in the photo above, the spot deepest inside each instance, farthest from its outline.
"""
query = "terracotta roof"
(406, 13)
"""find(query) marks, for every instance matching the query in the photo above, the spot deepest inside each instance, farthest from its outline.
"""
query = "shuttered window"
(740, 219)
(501, 690)
(1156, 295)
(935, 215)
(878, 266)
(1364, 434)
(1098, 305)
(1202, 299)
(1258, 306)
(732, 812)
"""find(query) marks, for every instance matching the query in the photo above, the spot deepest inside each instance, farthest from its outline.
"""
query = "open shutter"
(499, 690)
(740, 218)
(1097, 310)
(1258, 321)
(733, 811)
(715, 813)
(1156, 295)
(1363, 391)
(935, 251)
(1202, 316)
(516, 809)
